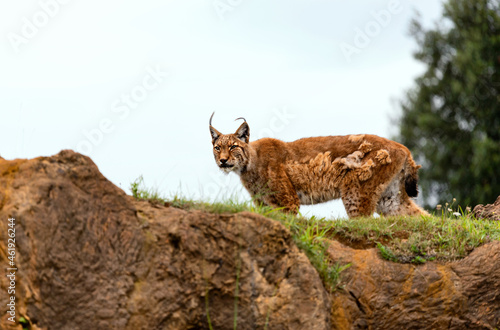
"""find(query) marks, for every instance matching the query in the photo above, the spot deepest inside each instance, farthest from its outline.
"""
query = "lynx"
(369, 173)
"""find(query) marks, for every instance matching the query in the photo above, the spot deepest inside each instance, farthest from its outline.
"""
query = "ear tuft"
(210, 121)
(243, 132)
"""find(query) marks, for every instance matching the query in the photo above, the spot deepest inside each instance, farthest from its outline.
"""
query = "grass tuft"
(386, 253)
(140, 192)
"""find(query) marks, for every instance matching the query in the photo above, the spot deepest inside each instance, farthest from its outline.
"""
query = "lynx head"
(231, 151)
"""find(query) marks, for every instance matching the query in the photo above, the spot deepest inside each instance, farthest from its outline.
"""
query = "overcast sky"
(132, 84)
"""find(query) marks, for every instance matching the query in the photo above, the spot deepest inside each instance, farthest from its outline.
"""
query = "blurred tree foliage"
(451, 118)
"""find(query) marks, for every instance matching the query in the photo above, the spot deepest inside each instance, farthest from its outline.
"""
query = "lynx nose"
(223, 161)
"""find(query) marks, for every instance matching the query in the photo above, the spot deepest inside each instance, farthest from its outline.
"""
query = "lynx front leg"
(262, 194)
(282, 194)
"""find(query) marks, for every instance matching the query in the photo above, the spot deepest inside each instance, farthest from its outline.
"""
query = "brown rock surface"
(91, 257)
(489, 211)
(383, 295)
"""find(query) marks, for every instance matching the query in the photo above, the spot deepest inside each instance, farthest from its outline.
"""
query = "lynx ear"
(243, 132)
(215, 133)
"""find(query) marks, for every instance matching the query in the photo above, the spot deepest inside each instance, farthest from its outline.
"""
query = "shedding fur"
(356, 138)
(365, 147)
(367, 172)
(383, 157)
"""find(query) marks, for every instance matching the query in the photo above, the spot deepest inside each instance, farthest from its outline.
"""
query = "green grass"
(140, 192)
(451, 235)
(418, 239)
(386, 252)
(24, 323)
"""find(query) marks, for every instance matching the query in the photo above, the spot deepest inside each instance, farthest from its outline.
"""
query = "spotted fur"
(369, 173)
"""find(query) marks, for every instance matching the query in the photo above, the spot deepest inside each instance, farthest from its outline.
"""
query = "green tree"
(451, 118)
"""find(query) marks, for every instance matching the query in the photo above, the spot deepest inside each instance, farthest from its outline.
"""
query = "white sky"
(68, 67)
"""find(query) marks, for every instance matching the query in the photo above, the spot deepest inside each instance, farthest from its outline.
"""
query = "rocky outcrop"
(489, 211)
(379, 294)
(91, 257)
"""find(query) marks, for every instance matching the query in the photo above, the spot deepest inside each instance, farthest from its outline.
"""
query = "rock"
(490, 211)
(91, 257)
(379, 294)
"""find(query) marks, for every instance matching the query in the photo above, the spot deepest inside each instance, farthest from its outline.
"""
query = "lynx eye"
(217, 148)
(234, 146)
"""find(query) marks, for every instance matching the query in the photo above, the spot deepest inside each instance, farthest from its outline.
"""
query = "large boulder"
(91, 257)
(488, 211)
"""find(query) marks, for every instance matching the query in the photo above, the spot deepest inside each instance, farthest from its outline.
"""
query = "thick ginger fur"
(369, 173)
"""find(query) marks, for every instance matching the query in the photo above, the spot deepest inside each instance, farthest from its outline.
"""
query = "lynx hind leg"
(390, 201)
(357, 202)
(395, 200)
(364, 185)
(409, 207)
